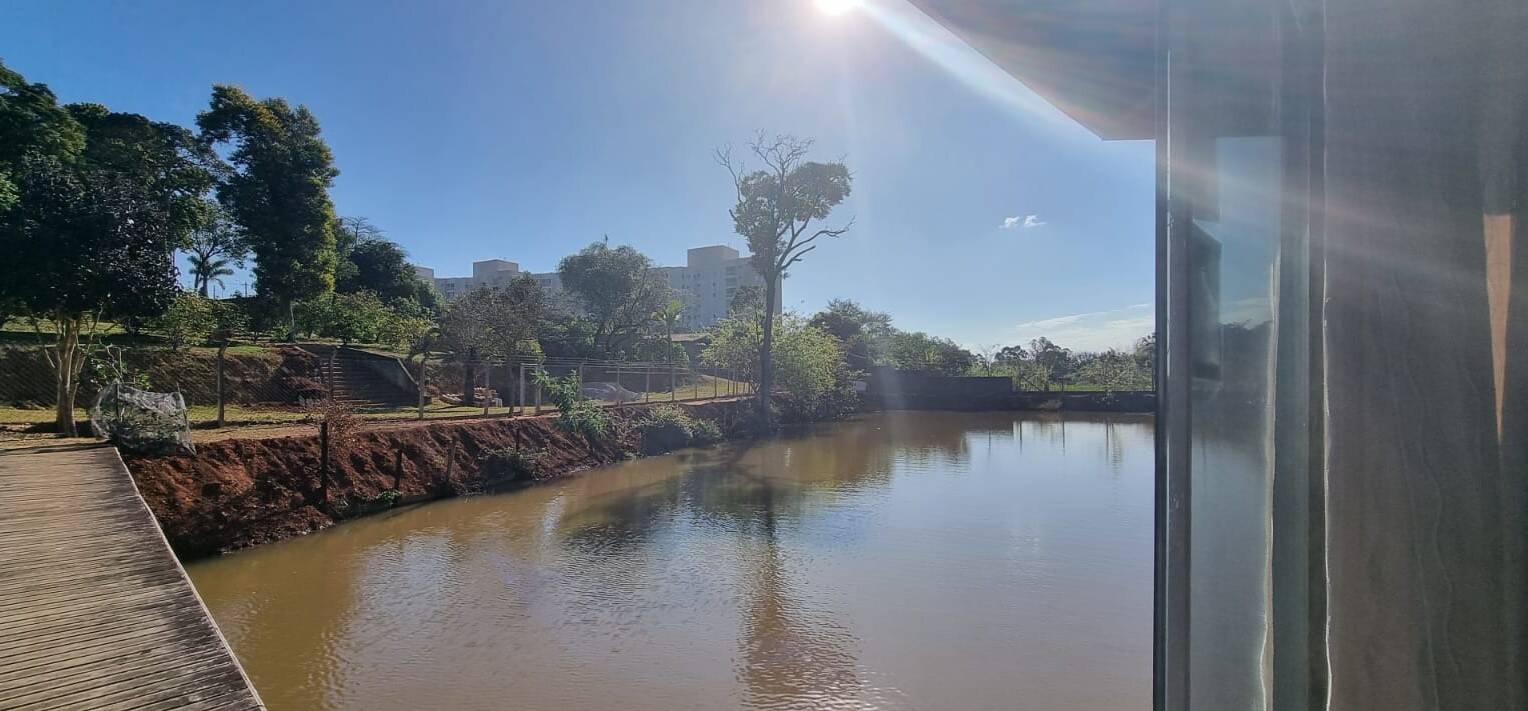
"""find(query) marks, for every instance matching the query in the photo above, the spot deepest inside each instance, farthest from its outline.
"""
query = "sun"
(836, 7)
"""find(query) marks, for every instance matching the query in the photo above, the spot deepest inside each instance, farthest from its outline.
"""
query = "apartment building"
(706, 283)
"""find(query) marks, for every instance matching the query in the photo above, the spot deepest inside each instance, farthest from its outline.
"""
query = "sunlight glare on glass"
(836, 7)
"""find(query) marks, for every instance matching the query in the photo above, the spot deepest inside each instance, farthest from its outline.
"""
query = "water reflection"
(908, 560)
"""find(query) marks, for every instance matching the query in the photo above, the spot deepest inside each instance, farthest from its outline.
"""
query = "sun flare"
(836, 7)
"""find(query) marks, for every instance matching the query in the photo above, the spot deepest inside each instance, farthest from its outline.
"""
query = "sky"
(526, 130)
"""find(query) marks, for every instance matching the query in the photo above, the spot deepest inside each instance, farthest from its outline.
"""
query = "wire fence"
(246, 385)
(512, 383)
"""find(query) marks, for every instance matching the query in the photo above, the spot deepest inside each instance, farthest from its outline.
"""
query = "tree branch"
(797, 257)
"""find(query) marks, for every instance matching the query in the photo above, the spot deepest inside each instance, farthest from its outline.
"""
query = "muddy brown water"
(901, 561)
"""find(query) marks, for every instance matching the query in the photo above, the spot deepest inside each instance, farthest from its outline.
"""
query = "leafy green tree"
(809, 363)
(920, 351)
(1114, 370)
(358, 317)
(278, 192)
(1055, 363)
(866, 334)
(380, 266)
(32, 124)
(747, 301)
(191, 318)
(1028, 375)
(217, 246)
(776, 209)
(1010, 355)
(563, 332)
(406, 326)
(491, 322)
(96, 203)
(619, 289)
(1145, 355)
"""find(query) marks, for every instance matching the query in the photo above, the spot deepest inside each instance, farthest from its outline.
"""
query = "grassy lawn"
(246, 415)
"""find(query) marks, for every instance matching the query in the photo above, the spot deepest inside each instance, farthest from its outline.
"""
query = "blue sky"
(471, 130)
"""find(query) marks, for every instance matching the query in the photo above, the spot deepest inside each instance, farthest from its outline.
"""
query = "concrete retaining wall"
(891, 389)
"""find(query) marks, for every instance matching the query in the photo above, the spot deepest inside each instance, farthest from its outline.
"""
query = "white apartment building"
(706, 283)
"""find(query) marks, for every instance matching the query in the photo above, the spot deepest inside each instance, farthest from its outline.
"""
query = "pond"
(898, 561)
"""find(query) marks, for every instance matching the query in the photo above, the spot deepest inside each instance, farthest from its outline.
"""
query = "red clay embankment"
(241, 492)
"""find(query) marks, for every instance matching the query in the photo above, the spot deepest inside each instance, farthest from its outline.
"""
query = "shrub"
(340, 420)
(190, 319)
(835, 403)
(812, 379)
(513, 463)
(388, 498)
(665, 428)
(705, 432)
(668, 427)
(576, 413)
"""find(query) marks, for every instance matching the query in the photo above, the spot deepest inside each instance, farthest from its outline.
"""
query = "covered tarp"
(139, 420)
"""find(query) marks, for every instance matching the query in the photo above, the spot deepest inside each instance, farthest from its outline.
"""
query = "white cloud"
(1093, 331)
(1024, 222)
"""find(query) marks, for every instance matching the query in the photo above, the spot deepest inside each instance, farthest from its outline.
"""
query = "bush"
(812, 380)
(190, 319)
(835, 403)
(513, 463)
(665, 428)
(576, 413)
(668, 427)
(388, 498)
(705, 432)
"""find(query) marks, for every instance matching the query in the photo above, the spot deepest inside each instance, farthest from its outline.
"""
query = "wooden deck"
(95, 610)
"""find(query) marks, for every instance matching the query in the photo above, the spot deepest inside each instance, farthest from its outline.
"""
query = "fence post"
(539, 371)
(647, 381)
(673, 384)
(580, 375)
(222, 395)
(424, 359)
(520, 402)
(323, 461)
(716, 386)
(487, 386)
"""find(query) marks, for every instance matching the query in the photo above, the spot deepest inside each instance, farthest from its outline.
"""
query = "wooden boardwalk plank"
(95, 611)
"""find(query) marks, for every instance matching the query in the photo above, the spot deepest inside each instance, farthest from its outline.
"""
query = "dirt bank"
(279, 375)
(242, 492)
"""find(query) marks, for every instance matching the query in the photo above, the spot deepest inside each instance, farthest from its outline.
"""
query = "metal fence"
(249, 385)
(512, 383)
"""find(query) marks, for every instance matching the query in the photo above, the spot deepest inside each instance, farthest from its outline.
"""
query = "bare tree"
(489, 322)
(776, 209)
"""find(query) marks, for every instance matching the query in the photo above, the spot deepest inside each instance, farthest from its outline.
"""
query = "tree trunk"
(291, 309)
(469, 378)
(202, 287)
(66, 354)
(766, 355)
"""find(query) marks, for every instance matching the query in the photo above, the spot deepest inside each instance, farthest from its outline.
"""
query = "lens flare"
(837, 7)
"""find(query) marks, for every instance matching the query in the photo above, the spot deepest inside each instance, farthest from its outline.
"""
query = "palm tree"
(668, 315)
(209, 269)
(217, 246)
